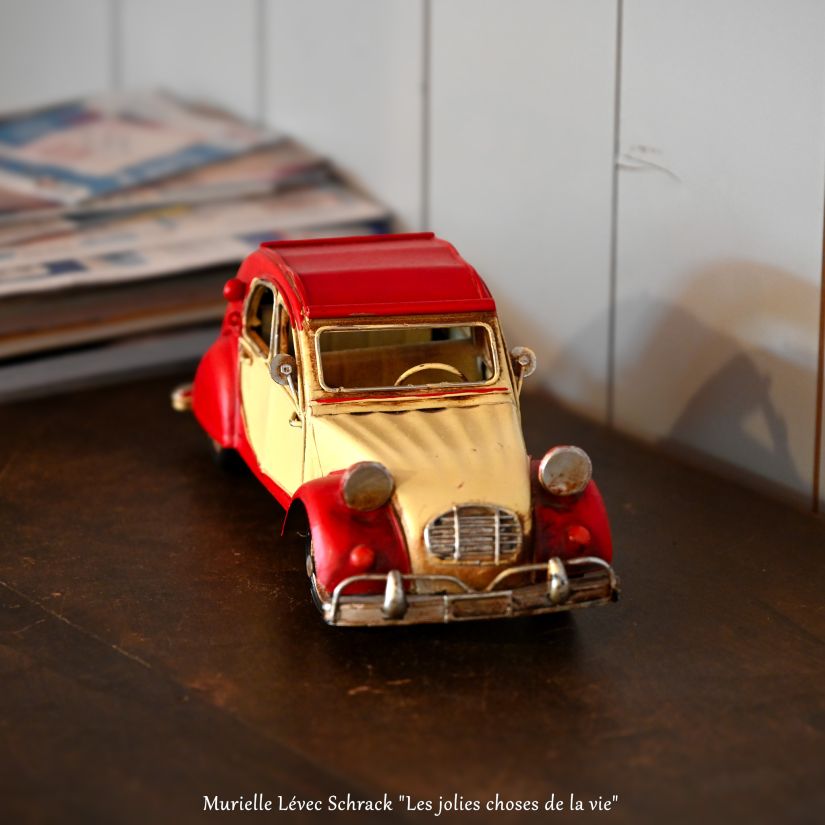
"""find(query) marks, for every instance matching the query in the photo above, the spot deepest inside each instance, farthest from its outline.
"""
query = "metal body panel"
(255, 390)
(448, 447)
(378, 275)
(454, 455)
(588, 582)
(553, 519)
(336, 530)
(215, 388)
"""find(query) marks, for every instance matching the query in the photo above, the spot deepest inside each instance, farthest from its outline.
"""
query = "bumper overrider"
(547, 587)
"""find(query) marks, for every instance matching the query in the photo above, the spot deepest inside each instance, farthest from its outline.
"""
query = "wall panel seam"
(820, 380)
(610, 395)
(426, 91)
(116, 41)
(261, 60)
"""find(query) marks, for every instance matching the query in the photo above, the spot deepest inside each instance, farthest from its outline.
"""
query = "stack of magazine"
(121, 216)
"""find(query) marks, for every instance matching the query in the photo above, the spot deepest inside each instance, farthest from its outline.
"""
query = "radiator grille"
(474, 534)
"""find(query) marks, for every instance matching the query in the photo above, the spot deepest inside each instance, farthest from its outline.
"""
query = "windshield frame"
(405, 388)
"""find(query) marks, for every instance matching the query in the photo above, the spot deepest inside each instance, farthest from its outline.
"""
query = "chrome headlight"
(366, 485)
(565, 471)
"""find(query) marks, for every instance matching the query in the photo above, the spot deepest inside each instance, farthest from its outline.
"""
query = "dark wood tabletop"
(158, 644)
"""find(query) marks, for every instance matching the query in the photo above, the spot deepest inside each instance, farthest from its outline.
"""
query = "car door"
(284, 460)
(255, 355)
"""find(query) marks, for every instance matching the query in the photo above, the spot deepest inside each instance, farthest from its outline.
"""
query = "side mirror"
(524, 364)
(283, 369)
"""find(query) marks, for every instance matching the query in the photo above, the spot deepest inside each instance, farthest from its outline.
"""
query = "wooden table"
(159, 645)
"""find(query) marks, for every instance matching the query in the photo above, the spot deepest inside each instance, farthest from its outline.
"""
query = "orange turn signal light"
(577, 537)
(362, 557)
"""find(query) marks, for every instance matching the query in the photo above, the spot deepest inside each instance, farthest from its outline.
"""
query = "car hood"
(438, 458)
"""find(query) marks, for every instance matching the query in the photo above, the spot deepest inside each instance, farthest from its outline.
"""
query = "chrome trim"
(558, 585)
(566, 484)
(181, 398)
(565, 588)
(395, 599)
(497, 539)
(481, 534)
(456, 535)
(493, 341)
(539, 566)
(353, 490)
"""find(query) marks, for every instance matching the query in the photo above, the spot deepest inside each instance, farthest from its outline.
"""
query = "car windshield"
(384, 357)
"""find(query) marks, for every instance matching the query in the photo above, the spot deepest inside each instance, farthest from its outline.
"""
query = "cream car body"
(442, 450)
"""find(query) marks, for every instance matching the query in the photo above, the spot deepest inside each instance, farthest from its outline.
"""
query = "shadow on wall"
(566, 372)
(714, 423)
(724, 374)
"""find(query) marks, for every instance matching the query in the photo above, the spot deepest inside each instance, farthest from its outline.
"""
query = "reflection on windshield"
(409, 356)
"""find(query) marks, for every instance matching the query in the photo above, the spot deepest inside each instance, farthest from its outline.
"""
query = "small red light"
(362, 557)
(577, 537)
(234, 289)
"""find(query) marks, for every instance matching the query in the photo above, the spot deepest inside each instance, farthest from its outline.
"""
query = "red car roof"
(408, 274)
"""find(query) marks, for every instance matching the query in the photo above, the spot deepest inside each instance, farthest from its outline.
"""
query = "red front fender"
(337, 530)
(556, 521)
(215, 390)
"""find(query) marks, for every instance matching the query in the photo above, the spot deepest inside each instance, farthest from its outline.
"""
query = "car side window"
(286, 340)
(260, 317)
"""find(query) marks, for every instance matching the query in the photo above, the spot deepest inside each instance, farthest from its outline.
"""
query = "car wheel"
(225, 457)
(310, 558)
(317, 598)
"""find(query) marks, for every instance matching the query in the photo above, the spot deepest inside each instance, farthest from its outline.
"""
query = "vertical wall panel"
(522, 146)
(720, 229)
(207, 49)
(50, 51)
(346, 77)
(819, 486)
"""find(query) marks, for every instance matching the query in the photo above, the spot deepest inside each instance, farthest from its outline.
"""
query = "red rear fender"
(215, 390)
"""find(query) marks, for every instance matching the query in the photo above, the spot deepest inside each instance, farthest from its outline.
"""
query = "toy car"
(366, 383)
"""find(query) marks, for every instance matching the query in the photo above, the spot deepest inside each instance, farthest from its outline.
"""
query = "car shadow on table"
(296, 629)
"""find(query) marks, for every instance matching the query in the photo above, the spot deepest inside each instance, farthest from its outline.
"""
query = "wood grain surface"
(158, 644)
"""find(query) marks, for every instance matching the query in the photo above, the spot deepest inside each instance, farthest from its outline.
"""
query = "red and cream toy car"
(366, 382)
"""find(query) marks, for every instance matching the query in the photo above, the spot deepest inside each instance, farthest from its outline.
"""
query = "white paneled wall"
(720, 229)
(676, 295)
(51, 51)
(522, 110)
(204, 48)
(347, 77)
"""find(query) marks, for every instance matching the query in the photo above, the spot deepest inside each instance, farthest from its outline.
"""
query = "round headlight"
(367, 485)
(565, 471)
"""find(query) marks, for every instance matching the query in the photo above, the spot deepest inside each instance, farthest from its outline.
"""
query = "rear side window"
(286, 339)
(260, 316)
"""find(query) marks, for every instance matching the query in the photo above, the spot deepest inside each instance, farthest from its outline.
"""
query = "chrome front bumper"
(564, 585)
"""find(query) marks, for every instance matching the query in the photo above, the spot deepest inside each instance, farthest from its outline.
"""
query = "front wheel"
(317, 598)
(309, 557)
